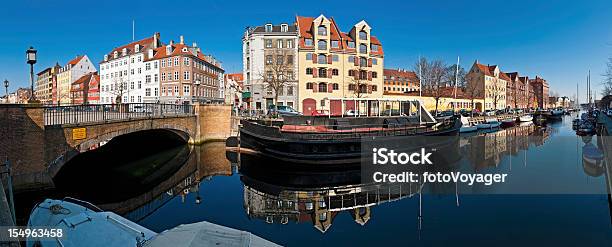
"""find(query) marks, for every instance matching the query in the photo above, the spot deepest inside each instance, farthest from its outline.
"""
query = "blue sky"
(559, 40)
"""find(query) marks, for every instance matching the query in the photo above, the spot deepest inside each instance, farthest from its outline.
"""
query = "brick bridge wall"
(37, 152)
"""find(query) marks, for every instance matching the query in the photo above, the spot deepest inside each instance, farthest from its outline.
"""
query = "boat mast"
(456, 80)
(420, 90)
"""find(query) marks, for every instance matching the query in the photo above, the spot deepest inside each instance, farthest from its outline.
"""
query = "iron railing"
(77, 114)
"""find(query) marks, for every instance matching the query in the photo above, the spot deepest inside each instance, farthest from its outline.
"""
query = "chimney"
(171, 42)
(156, 40)
(195, 44)
(181, 39)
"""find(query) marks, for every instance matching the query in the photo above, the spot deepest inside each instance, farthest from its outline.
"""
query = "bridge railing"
(76, 114)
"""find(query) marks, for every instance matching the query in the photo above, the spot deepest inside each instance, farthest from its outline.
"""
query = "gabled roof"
(410, 75)
(178, 49)
(76, 60)
(85, 78)
(145, 43)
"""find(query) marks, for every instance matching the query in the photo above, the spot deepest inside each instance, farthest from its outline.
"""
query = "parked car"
(319, 113)
(283, 110)
(354, 113)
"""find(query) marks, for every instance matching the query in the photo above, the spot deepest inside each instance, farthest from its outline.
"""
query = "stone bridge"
(38, 141)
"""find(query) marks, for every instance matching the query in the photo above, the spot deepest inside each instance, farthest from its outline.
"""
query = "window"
(139, 84)
(335, 58)
(351, 44)
(176, 61)
(139, 70)
(163, 77)
(308, 42)
(363, 75)
(290, 91)
(268, 27)
(279, 59)
(335, 44)
(363, 35)
(148, 66)
(279, 43)
(321, 59)
(284, 28)
(289, 43)
(309, 71)
(374, 75)
(335, 86)
(131, 85)
(363, 61)
(163, 63)
(176, 75)
(322, 72)
(374, 88)
(156, 91)
(351, 59)
(148, 79)
(308, 56)
(186, 61)
(155, 65)
(374, 61)
(186, 75)
(351, 73)
(309, 85)
(269, 59)
(322, 30)
(322, 44)
(334, 71)
(156, 78)
(268, 43)
(322, 87)
(363, 48)
(148, 92)
(289, 59)
(185, 89)
(374, 47)
(176, 90)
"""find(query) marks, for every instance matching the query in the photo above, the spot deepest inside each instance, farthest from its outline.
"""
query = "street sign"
(79, 133)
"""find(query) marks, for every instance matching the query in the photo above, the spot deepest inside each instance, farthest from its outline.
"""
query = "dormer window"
(137, 48)
(363, 48)
(284, 28)
(351, 44)
(322, 30)
(374, 47)
(268, 27)
(123, 51)
(184, 49)
(308, 42)
(105, 57)
(115, 54)
(363, 35)
(168, 49)
(322, 44)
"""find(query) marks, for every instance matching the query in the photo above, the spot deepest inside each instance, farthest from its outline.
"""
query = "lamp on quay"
(6, 85)
(197, 92)
(31, 58)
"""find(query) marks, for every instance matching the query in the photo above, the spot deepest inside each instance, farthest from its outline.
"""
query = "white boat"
(83, 224)
(526, 118)
(467, 126)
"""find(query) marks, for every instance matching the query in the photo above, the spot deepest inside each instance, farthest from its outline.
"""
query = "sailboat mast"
(456, 81)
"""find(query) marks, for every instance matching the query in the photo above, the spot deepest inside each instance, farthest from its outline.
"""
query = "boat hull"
(326, 151)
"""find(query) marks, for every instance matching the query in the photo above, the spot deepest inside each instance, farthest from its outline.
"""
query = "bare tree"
(119, 88)
(433, 81)
(472, 91)
(278, 72)
(607, 82)
(359, 79)
(453, 74)
(496, 92)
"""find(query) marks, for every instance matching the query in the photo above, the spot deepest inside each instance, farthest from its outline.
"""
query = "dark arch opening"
(125, 166)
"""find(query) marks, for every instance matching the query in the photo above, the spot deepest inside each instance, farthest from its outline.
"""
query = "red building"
(399, 81)
(540, 88)
(86, 90)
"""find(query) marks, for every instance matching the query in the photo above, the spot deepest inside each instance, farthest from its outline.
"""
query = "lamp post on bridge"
(31, 59)
(197, 91)
(6, 84)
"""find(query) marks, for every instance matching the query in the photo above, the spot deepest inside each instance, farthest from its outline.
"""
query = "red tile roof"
(76, 60)
(410, 75)
(235, 76)
(146, 43)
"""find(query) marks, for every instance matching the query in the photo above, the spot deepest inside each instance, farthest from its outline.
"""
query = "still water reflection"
(333, 208)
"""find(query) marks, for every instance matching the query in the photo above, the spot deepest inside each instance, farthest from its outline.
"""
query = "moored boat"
(526, 118)
(466, 126)
(508, 123)
(327, 141)
(80, 223)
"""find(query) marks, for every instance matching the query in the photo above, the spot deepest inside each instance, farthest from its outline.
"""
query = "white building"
(127, 75)
(73, 70)
(260, 46)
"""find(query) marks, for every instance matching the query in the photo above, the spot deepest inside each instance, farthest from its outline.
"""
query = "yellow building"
(334, 64)
(490, 81)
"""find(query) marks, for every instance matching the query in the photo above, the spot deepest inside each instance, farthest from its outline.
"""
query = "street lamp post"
(31, 58)
(197, 92)
(6, 84)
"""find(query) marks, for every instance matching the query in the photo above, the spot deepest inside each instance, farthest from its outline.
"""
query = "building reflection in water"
(597, 161)
(280, 198)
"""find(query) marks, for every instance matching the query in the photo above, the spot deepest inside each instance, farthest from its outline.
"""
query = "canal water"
(554, 197)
